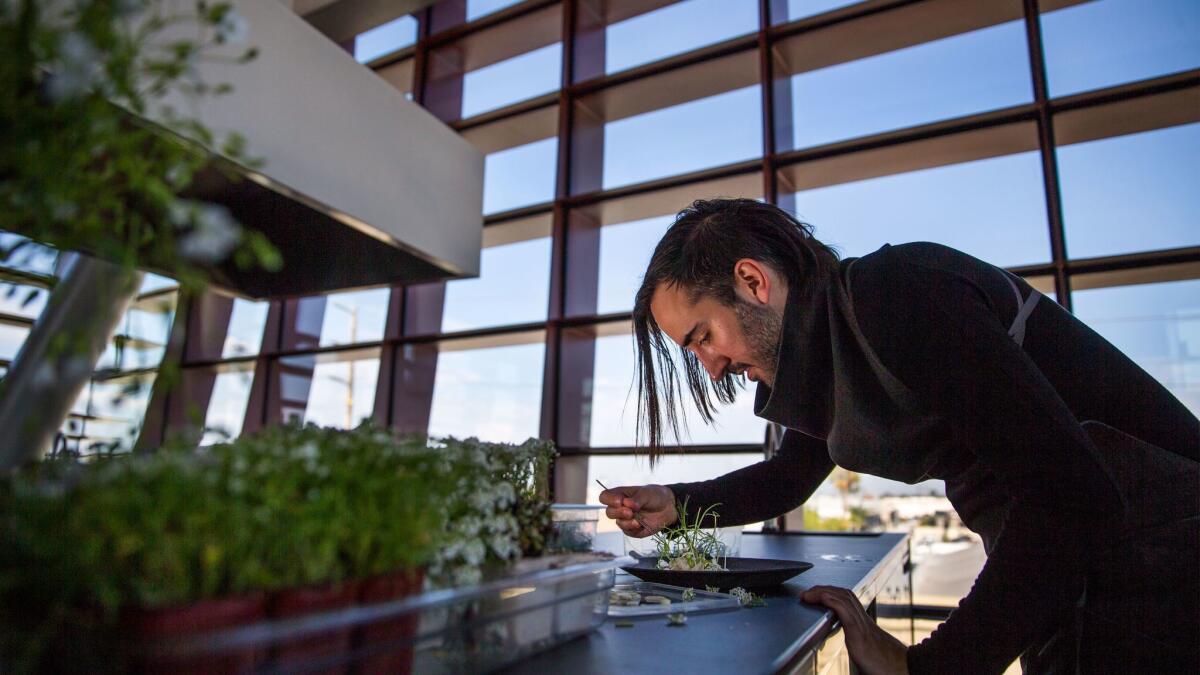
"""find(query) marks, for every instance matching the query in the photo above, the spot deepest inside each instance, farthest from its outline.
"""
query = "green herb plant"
(86, 544)
(501, 508)
(690, 545)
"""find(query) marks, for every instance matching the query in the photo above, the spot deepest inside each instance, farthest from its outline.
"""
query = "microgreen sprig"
(698, 548)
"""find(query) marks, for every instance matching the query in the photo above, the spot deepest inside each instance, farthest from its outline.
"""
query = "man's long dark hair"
(697, 255)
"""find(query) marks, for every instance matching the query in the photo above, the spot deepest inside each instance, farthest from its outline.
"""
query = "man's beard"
(761, 329)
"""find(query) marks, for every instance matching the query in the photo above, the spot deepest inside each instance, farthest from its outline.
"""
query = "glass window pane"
(516, 79)
(143, 333)
(489, 388)
(22, 300)
(29, 257)
(496, 67)
(1131, 193)
(337, 319)
(1156, 324)
(334, 390)
(155, 282)
(800, 9)
(683, 138)
(519, 176)
(630, 228)
(514, 279)
(520, 160)
(625, 250)
(11, 339)
(618, 470)
(246, 324)
(115, 411)
(993, 208)
(971, 72)
(480, 8)
(227, 404)
(614, 403)
(385, 39)
(674, 29)
(669, 124)
(1090, 45)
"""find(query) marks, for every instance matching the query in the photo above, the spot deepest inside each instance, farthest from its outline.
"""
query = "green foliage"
(501, 510)
(77, 171)
(329, 505)
(691, 544)
(290, 506)
(748, 599)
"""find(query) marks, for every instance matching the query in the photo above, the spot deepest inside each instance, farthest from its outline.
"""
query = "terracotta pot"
(389, 641)
(297, 602)
(154, 628)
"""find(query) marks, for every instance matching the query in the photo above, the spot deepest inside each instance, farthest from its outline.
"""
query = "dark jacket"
(917, 362)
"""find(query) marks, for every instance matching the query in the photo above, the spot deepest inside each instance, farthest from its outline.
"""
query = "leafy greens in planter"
(501, 509)
(290, 507)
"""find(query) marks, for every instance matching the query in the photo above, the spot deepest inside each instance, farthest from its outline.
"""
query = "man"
(1079, 470)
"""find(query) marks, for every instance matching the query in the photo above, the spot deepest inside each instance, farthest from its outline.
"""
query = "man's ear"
(751, 281)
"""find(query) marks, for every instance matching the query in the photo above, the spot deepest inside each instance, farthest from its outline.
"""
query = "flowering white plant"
(500, 510)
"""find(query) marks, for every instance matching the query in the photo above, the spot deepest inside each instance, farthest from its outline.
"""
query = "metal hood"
(359, 186)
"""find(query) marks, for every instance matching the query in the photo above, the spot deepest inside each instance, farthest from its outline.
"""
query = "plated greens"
(689, 546)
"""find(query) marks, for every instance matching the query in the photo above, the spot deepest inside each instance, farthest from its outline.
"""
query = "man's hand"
(872, 649)
(640, 510)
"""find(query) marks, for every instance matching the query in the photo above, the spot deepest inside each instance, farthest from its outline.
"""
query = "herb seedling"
(748, 599)
(688, 546)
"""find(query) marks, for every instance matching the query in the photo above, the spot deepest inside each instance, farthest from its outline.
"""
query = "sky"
(1131, 193)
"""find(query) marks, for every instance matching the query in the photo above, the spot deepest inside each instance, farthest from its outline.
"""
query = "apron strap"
(1024, 308)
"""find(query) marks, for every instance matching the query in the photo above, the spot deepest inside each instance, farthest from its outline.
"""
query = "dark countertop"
(758, 640)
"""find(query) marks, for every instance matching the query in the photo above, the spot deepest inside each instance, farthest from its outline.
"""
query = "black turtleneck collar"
(802, 395)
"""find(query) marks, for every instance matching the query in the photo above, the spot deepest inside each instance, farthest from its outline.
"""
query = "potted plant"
(138, 551)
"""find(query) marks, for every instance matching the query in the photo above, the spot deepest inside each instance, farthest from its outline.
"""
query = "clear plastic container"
(574, 527)
(474, 629)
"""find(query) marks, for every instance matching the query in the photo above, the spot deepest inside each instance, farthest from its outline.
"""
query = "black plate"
(747, 573)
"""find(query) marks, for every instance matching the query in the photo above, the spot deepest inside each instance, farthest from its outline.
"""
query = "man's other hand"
(640, 510)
